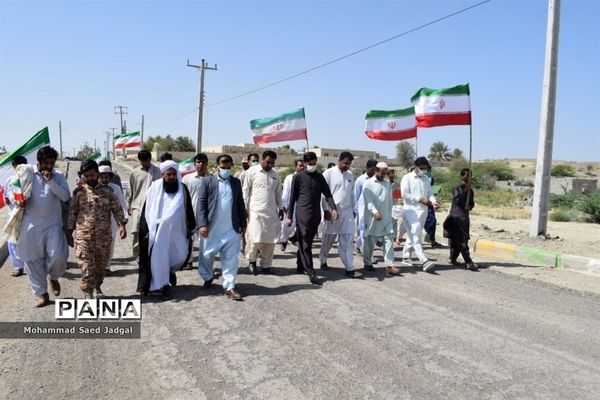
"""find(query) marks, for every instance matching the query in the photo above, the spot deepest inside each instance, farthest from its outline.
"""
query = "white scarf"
(155, 215)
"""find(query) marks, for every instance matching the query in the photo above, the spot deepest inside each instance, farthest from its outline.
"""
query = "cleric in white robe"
(166, 226)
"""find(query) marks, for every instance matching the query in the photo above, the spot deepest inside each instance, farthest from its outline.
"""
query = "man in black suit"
(221, 222)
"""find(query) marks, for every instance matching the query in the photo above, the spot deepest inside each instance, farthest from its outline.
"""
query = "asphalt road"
(455, 334)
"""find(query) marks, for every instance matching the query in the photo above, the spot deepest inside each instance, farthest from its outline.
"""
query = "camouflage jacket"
(91, 209)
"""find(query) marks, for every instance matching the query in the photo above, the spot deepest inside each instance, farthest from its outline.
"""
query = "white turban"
(168, 165)
(381, 165)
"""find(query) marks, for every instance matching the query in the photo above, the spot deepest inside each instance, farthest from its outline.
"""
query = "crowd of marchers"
(224, 215)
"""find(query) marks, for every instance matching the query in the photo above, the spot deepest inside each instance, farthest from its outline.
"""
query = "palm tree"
(458, 153)
(405, 154)
(439, 152)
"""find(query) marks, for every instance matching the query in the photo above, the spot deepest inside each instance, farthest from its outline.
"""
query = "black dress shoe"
(173, 279)
(208, 283)
(324, 266)
(369, 267)
(315, 280)
(283, 246)
(353, 274)
(252, 268)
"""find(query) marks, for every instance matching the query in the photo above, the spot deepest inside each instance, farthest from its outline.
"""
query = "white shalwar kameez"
(414, 187)
(378, 199)
(359, 209)
(167, 232)
(287, 231)
(341, 185)
(42, 244)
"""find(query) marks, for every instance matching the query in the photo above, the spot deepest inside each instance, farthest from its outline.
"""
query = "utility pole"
(107, 144)
(541, 194)
(201, 67)
(121, 110)
(114, 156)
(60, 138)
(142, 131)
(95, 147)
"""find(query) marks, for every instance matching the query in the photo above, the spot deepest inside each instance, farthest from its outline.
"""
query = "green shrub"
(499, 169)
(562, 170)
(591, 206)
(500, 198)
(563, 215)
(568, 200)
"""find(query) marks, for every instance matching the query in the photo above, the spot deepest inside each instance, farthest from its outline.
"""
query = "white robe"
(262, 197)
(341, 185)
(167, 232)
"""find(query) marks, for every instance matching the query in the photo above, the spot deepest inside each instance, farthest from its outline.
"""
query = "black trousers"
(459, 240)
(305, 234)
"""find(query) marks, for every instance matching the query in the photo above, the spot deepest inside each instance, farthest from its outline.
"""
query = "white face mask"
(310, 168)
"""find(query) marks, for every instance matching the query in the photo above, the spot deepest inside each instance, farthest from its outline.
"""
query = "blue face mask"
(254, 163)
(224, 173)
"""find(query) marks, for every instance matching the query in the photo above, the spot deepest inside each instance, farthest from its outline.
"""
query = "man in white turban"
(167, 223)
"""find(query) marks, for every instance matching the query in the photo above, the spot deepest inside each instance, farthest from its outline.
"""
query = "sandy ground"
(505, 332)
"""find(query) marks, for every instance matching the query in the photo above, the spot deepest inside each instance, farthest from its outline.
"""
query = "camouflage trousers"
(93, 254)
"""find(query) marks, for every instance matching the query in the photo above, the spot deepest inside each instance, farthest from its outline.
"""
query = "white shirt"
(413, 188)
(341, 185)
(262, 197)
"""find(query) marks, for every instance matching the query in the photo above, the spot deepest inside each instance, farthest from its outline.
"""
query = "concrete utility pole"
(539, 212)
(60, 138)
(114, 156)
(142, 132)
(121, 110)
(201, 67)
(107, 145)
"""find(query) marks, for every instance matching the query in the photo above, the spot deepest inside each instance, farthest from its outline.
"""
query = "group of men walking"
(166, 214)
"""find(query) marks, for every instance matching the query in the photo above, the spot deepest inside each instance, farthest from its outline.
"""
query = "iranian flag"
(391, 125)
(284, 127)
(96, 157)
(187, 166)
(132, 140)
(439, 107)
(27, 150)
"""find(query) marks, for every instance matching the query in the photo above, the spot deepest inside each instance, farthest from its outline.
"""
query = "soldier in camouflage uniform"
(90, 212)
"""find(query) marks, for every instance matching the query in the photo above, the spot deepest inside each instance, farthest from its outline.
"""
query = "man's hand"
(377, 216)
(436, 205)
(425, 201)
(334, 215)
(47, 175)
(204, 231)
(289, 222)
(70, 240)
(122, 231)
(326, 215)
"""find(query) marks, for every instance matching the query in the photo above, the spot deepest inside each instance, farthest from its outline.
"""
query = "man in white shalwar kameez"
(360, 203)
(379, 224)
(105, 176)
(341, 184)
(42, 243)
(417, 195)
(288, 232)
(194, 182)
(262, 199)
(165, 231)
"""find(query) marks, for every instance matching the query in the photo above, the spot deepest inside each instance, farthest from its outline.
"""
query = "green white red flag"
(281, 128)
(129, 141)
(187, 166)
(440, 107)
(391, 125)
(28, 150)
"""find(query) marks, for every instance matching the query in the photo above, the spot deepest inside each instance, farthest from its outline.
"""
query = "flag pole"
(416, 146)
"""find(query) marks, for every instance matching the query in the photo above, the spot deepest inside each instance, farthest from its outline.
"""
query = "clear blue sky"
(75, 60)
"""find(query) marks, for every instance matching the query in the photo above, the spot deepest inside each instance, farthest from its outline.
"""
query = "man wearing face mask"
(221, 221)
(90, 213)
(341, 183)
(305, 202)
(166, 228)
(252, 161)
(42, 245)
(379, 224)
(417, 195)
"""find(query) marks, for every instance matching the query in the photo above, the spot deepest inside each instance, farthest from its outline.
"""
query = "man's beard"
(171, 187)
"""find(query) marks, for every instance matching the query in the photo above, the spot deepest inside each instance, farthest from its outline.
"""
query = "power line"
(349, 54)
(325, 64)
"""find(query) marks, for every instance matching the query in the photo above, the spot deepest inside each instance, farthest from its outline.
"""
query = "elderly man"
(417, 195)
(140, 180)
(262, 198)
(379, 224)
(222, 220)
(341, 184)
(166, 226)
(42, 244)
(288, 232)
(360, 204)
(305, 203)
(194, 182)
